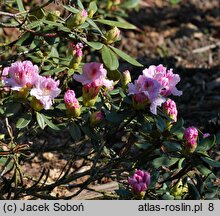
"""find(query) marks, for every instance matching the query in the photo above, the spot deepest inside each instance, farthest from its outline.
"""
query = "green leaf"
(12, 108)
(206, 143)
(71, 9)
(172, 146)
(20, 5)
(94, 45)
(211, 162)
(178, 129)
(79, 3)
(193, 191)
(24, 121)
(109, 58)
(161, 124)
(50, 123)
(205, 171)
(143, 145)
(124, 25)
(93, 24)
(164, 161)
(40, 120)
(25, 39)
(93, 6)
(54, 71)
(130, 3)
(174, 2)
(126, 57)
(75, 131)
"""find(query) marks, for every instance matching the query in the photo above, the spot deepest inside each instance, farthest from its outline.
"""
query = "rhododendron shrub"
(65, 84)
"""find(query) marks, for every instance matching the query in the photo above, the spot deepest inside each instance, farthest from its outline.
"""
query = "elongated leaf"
(161, 124)
(79, 3)
(211, 162)
(71, 9)
(164, 161)
(205, 171)
(20, 5)
(75, 131)
(54, 71)
(94, 45)
(23, 121)
(109, 58)
(206, 144)
(50, 123)
(12, 108)
(172, 146)
(40, 120)
(123, 25)
(130, 3)
(93, 24)
(193, 191)
(126, 57)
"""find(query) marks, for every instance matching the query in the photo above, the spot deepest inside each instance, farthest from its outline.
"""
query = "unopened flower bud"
(53, 15)
(75, 62)
(112, 35)
(72, 104)
(36, 104)
(126, 78)
(190, 139)
(91, 13)
(139, 182)
(170, 109)
(90, 94)
(77, 19)
(96, 118)
(22, 93)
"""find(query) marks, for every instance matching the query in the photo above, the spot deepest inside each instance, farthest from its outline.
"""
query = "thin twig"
(206, 48)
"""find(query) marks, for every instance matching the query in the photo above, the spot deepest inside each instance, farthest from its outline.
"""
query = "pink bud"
(190, 136)
(170, 109)
(96, 118)
(139, 182)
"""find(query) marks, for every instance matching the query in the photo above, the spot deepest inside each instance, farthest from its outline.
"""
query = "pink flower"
(70, 99)
(20, 74)
(93, 72)
(139, 182)
(4, 76)
(146, 91)
(170, 109)
(166, 78)
(84, 13)
(45, 90)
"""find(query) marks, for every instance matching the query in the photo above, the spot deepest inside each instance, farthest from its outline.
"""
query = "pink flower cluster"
(170, 109)
(151, 87)
(190, 136)
(93, 78)
(139, 182)
(20, 75)
(45, 90)
(167, 79)
(25, 75)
